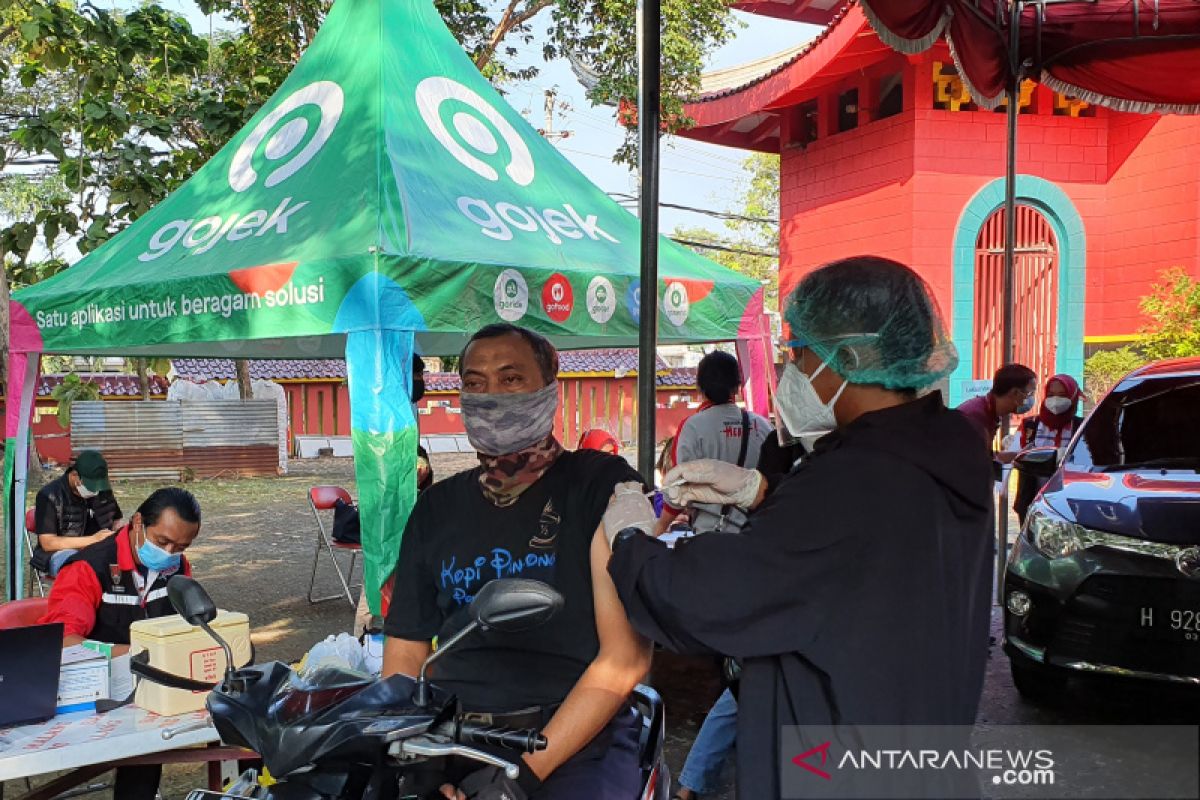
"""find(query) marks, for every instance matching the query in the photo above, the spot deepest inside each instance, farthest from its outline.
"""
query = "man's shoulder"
(588, 462)
(52, 489)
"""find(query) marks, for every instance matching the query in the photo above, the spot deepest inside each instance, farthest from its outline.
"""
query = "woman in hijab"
(1054, 425)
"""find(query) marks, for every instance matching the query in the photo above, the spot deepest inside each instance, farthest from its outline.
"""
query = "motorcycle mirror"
(1040, 462)
(508, 605)
(511, 605)
(190, 600)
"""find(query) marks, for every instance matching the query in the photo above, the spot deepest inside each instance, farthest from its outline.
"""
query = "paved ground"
(255, 554)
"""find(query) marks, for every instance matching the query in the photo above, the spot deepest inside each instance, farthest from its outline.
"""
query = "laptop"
(29, 666)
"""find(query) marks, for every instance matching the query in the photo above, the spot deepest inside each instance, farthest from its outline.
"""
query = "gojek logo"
(510, 295)
(558, 300)
(675, 304)
(601, 299)
(290, 142)
(466, 125)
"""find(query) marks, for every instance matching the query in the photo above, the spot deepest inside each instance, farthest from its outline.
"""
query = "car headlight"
(1052, 535)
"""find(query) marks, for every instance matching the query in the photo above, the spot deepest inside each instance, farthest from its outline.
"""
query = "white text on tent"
(499, 222)
(205, 233)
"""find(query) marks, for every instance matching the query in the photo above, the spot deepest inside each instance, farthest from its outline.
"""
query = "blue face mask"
(154, 557)
(1026, 405)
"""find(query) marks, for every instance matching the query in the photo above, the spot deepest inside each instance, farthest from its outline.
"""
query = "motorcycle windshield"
(303, 695)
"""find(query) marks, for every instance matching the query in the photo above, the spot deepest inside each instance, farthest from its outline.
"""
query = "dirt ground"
(255, 552)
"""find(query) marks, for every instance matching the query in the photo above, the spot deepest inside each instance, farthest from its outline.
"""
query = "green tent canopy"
(386, 199)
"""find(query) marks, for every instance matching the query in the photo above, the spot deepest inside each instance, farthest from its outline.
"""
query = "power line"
(725, 248)
(626, 199)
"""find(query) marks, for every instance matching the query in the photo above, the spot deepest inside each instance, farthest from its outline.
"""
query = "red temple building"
(886, 154)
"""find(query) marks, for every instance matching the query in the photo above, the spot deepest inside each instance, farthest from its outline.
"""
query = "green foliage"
(752, 246)
(1102, 371)
(72, 390)
(118, 108)
(1173, 308)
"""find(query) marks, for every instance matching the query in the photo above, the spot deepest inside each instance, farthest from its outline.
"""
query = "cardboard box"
(82, 680)
(186, 650)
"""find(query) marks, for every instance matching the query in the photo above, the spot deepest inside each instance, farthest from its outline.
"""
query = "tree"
(1173, 308)
(752, 247)
(1103, 369)
(73, 389)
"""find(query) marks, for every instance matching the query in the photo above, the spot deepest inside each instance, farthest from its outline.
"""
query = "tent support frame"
(649, 91)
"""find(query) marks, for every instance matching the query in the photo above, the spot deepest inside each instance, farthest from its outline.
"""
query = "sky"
(692, 174)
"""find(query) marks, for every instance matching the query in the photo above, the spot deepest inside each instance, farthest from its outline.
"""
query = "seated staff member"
(529, 510)
(107, 586)
(73, 511)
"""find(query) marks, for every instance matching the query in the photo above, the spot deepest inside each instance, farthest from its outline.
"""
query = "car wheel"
(1037, 683)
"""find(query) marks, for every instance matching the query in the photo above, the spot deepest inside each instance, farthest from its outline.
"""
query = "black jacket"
(859, 594)
(60, 511)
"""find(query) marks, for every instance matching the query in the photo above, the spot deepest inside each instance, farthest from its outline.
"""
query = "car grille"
(1100, 625)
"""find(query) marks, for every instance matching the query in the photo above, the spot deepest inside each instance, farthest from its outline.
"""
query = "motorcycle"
(338, 734)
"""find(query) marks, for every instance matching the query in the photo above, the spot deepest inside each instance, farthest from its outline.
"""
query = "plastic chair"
(20, 613)
(39, 578)
(324, 498)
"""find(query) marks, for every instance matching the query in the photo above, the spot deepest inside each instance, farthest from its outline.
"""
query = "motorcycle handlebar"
(529, 740)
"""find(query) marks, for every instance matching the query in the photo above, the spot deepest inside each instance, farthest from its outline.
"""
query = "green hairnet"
(873, 320)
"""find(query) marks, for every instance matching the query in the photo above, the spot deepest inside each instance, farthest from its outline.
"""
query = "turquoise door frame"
(1072, 265)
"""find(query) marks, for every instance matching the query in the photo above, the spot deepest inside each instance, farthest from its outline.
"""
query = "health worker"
(859, 592)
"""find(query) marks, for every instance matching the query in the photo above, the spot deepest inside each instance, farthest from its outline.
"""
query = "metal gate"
(1035, 294)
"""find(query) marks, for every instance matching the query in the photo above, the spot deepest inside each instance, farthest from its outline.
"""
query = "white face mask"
(84, 492)
(799, 411)
(1058, 405)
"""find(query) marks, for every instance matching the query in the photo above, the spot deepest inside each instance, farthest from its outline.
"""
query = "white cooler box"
(182, 649)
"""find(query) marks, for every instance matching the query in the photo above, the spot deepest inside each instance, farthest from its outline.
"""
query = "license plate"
(1181, 623)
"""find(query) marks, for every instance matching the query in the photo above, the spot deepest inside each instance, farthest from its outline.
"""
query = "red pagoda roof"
(737, 107)
(818, 12)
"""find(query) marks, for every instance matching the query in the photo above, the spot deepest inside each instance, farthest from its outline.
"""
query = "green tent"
(385, 199)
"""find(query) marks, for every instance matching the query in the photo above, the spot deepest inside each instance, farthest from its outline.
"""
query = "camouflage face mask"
(498, 424)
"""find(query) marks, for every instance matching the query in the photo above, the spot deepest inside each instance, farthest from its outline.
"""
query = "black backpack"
(345, 523)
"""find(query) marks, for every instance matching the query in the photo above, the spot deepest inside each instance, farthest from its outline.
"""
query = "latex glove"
(711, 481)
(629, 508)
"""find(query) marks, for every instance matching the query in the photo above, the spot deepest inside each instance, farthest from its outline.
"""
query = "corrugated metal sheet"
(164, 440)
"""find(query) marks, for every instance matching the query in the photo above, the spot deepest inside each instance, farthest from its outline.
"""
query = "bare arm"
(52, 542)
(404, 657)
(604, 687)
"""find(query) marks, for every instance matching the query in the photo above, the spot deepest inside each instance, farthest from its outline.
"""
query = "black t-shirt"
(456, 541)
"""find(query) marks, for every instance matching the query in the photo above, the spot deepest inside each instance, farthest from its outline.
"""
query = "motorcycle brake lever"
(424, 747)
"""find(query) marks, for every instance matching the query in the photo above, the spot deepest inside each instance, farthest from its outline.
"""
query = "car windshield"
(1149, 423)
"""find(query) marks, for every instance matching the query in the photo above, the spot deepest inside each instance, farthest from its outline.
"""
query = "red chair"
(39, 579)
(324, 498)
(20, 613)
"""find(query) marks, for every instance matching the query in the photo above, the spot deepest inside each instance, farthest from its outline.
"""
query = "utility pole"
(551, 105)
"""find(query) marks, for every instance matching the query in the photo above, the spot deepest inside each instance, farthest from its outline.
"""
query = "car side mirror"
(515, 604)
(1038, 462)
(190, 601)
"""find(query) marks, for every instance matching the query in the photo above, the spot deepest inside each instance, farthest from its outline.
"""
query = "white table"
(80, 740)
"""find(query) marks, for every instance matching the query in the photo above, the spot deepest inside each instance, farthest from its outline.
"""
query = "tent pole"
(26, 366)
(649, 78)
(1010, 236)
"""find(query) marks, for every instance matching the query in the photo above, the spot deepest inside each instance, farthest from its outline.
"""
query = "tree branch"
(510, 19)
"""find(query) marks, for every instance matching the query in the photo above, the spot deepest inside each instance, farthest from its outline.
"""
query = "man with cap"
(73, 511)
